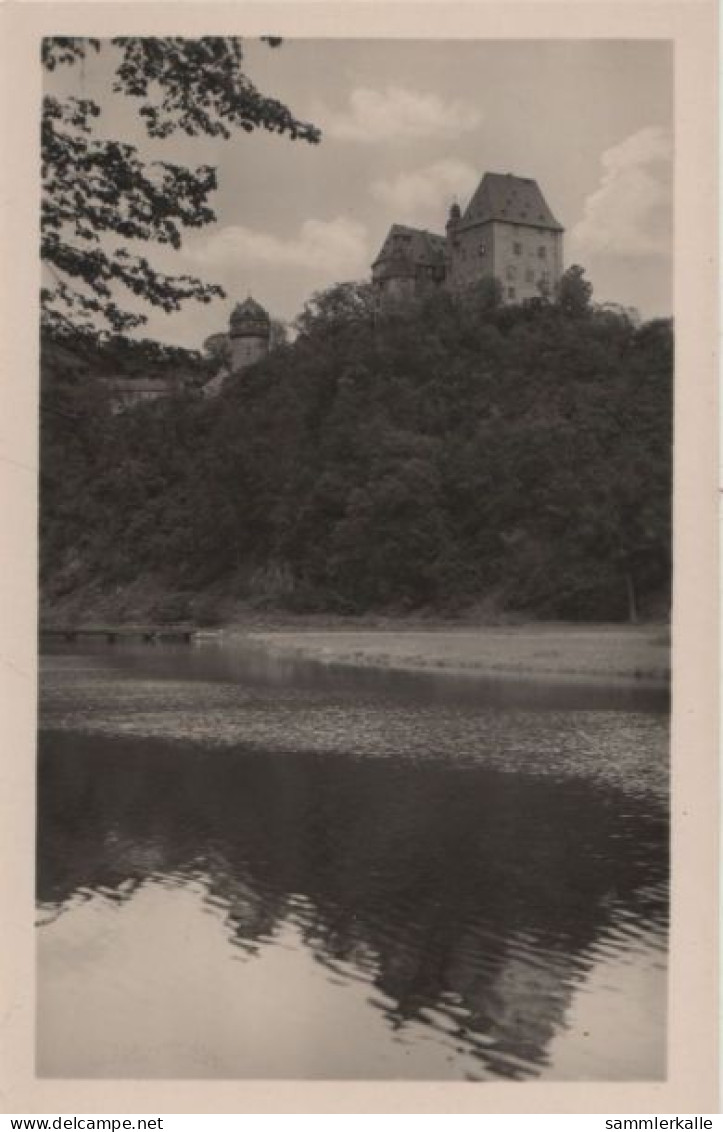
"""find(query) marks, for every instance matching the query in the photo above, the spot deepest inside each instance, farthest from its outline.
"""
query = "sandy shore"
(598, 652)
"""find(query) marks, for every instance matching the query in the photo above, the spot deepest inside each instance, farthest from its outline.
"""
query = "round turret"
(249, 320)
(249, 331)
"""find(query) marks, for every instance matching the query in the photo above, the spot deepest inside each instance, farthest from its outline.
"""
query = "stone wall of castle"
(527, 261)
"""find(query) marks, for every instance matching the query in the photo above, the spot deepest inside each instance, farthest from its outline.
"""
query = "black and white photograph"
(355, 578)
(357, 365)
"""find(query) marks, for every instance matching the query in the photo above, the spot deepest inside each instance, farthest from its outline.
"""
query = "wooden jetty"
(150, 634)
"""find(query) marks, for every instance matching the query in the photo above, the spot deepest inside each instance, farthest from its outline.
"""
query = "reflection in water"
(265, 908)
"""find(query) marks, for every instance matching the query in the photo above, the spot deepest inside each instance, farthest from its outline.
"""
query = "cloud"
(630, 213)
(424, 190)
(385, 115)
(331, 247)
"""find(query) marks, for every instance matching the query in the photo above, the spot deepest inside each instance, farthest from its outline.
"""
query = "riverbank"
(596, 652)
(481, 641)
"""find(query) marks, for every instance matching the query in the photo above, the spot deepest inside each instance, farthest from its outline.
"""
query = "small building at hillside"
(127, 392)
(507, 232)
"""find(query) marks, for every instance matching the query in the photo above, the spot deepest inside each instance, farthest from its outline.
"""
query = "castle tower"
(249, 331)
(452, 241)
(507, 234)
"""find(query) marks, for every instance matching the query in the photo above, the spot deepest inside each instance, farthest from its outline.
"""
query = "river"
(251, 867)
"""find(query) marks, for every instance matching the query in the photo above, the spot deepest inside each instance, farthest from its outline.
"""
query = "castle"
(247, 341)
(507, 232)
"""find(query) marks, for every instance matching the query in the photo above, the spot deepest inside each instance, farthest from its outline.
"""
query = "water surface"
(253, 868)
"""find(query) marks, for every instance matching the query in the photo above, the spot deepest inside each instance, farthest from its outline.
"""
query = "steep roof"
(250, 310)
(516, 200)
(417, 245)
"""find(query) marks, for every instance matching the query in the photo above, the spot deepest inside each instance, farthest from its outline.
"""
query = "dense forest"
(450, 456)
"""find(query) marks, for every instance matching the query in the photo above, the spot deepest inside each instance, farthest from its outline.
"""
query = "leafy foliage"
(436, 458)
(100, 197)
(574, 292)
(338, 306)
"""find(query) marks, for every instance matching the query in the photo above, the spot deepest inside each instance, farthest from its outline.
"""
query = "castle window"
(482, 249)
(511, 271)
(511, 292)
(517, 248)
(542, 252)
(530, 275)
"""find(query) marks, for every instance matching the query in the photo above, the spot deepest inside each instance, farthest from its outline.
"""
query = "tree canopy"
(101, 199)
(439, 458)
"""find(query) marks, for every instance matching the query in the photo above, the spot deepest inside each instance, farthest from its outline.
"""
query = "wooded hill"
(448, 456)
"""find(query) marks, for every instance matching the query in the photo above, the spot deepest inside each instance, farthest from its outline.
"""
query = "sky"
(410, 126)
